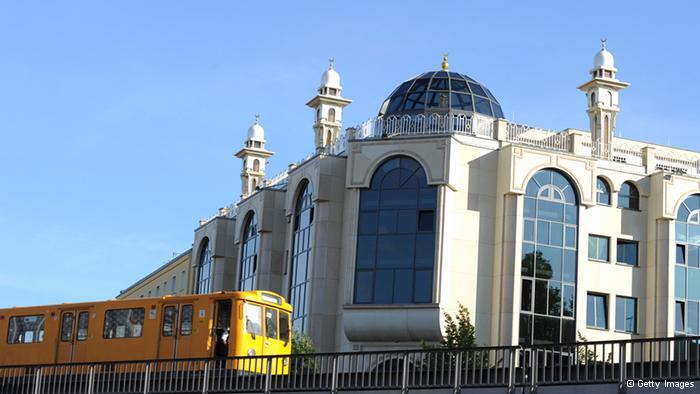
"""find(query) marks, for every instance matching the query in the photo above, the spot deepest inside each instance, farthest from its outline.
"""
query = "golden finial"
(445, 64)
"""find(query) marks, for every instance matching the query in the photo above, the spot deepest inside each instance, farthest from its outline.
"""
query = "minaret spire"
(328, 105)
(254, 157)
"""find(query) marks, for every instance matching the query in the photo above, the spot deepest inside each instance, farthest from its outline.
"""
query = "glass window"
(123, 323)
(169, 321)
(687, 267)
(253, 319)
(25, 329)
(625, 314)
(549, 257)
(271, 330)
(83, 322)
(302, 244)
(597, 311)
(249, 254)
(186, 320)
(284, 327)
(602, 192)
(627, 252)
(628, 197)
(680, 316)
(204, 268)
(67, 327)
(598, 248)
(396, 246)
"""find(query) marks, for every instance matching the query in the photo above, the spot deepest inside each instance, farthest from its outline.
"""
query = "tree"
(303, 347)
(459, 331)
(302, 343)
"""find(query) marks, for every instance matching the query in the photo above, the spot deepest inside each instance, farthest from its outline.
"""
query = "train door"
(175, 331)
(72, 346)
(276, 337)
(221, 331)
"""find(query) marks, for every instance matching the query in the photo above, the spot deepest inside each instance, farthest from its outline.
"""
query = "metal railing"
(532, 136)
(605, 362)
(421, 124)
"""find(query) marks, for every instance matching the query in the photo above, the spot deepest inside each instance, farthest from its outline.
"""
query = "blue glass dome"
(441, 92)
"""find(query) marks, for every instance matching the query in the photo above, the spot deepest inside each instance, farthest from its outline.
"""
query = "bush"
(302, 343)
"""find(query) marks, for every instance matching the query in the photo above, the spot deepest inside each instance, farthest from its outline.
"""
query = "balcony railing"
(432, 124)
(605, 362)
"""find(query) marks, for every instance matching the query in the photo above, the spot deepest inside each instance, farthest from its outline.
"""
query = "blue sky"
(119, 120)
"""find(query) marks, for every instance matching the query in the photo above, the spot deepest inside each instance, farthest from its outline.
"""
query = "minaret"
(602, 93)
(254, 156)
(328, 105)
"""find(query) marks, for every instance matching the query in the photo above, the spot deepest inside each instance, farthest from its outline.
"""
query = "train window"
(124, 323)
(83, 321)
(67, 327)
(186, 320)
(26, 329)
(271, 323)
(253, 319)
(169, 321)
(284, 327)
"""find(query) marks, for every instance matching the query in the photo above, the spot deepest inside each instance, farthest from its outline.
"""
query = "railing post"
(334, 378)
(37, 381)
(533, 371)
(623, 368)
(458, 373)
(91, 379)
(511, 369)
(147, 378)
(268, 376)
(205, 377)
(404, 377)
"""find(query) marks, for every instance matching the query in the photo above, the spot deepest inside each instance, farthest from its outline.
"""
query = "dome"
(330, 78)
(256, 132)
(604, 59)
(441, 92)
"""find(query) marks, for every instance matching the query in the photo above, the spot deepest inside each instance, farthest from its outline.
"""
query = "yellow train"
(224, 324)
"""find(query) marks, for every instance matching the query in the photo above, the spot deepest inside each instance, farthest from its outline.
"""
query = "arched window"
(254, 185)
(396, 236)
(687, 272)
(628, 197)
(329, 137)
(301, 257)
(249, 254)
(607, 127)
(602, 192)
(547, 308)
(331, 115)
(256, 165)
(203, 284)
(610, 98)
(593, 99)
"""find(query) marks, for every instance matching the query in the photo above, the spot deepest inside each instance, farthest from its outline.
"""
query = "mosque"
(440, 201)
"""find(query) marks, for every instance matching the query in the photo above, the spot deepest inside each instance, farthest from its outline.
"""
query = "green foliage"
(460, 332)
(587, 354)
(302, 343)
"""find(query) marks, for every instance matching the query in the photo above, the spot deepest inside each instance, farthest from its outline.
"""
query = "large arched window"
(547, 309)
(628, 197)
(331, 115)
(249, 254)
(602, 192)
(687, 272)
(204, 268)
(301, 257)
(396, 236)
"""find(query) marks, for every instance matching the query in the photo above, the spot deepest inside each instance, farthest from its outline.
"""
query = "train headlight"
(251, 352)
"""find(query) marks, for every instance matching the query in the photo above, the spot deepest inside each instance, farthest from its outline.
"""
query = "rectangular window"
(67, 327)
(186, 320)
(680, 316)
(173, 284)
(680, 254)
(83, 321)
(182, 280)
(253, 319)
(123, 323)
(598, 248)
(626, 314)
(627, 252)
(284, 327)
(271, 328)
(169, 321)
(25, 329)
(597, 311)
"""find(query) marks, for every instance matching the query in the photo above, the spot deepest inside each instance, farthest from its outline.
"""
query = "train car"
(224, 324)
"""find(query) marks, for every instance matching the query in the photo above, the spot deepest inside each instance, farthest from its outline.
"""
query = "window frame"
(621, 241)
(598, 237)
(189, 321)
(607, 192)
(606, 307)
(630, 197)
(106, 317)
(625, 299)
(39, 338)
